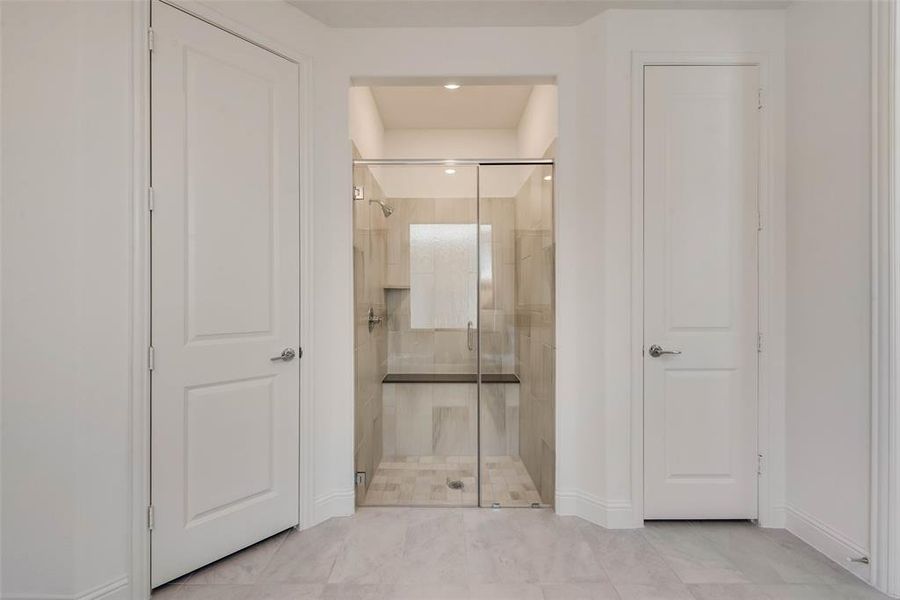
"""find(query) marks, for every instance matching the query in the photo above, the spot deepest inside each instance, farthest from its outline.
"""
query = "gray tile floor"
(519, 554)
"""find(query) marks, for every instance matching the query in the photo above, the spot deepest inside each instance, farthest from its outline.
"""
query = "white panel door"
(225, 280)
(701, 140)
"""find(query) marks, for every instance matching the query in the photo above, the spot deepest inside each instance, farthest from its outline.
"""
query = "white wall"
(539, 125)
(612, 491)
(66, 271)
(432, 182)
(828, 289)
(66, 244)
(463, 52)
(366, 128)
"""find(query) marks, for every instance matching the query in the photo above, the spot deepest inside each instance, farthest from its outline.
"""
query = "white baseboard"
(117, 589)
(340, 503)
(826, 540)
(611, 515)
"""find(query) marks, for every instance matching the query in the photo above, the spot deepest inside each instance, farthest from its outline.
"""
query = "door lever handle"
(286, 355)
(656, 351)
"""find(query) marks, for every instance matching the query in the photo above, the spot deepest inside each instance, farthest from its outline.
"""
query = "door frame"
(770, 287)
(884, 546)
(140, 400)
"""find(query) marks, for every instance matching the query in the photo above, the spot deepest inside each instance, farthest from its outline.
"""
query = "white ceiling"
(469, 107)
(488, 13)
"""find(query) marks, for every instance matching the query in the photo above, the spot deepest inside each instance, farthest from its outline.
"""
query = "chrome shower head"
(385, 208)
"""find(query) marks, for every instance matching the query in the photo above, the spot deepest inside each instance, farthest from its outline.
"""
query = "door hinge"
(150, 199)
(150, 518)
(759, 342)
(759, 220)
(759, 464)
(151, 358)
(359, 192)
(759, 99)
(150, 39)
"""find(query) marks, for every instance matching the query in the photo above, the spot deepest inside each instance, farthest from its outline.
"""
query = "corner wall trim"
(615, 514)
(826, 540)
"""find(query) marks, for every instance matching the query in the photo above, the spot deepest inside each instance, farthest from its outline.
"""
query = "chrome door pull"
(286, 355)
(656, 351)
(372, 320)
(470, 338)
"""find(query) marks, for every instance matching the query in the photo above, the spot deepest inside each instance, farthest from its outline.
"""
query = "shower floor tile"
(424, 481)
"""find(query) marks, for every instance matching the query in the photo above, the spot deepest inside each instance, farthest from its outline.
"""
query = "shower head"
(387, 209)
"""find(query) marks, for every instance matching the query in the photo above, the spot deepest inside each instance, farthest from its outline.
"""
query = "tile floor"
(422, 481)
(519, 554)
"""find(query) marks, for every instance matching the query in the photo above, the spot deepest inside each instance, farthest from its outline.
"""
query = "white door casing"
(225, 293)
(701, 166)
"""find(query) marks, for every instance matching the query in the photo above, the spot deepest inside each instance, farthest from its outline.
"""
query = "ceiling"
(469, 107)
(488, 13)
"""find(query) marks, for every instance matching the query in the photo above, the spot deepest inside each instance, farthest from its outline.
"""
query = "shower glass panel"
(454, 338)
(517, 337)
(416, 290)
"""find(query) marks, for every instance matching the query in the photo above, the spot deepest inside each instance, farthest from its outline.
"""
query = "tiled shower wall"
(535, 331)
(445, 350)
(438, 419)
(369, 268)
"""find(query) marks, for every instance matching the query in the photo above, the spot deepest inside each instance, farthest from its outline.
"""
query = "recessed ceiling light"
(451, 86)
(450, 171)
(548, 177)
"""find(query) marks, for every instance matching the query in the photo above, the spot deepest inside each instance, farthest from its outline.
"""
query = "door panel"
(700, 267)
(225, 272)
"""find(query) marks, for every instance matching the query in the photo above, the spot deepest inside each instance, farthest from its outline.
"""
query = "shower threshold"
(426, 481)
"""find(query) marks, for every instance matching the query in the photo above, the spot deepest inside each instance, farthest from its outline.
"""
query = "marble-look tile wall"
(535, 348)
(445, 350)
(438, 419)
(369, 268)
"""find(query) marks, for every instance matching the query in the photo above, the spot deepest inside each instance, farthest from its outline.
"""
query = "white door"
(225, 281)
(701, 140)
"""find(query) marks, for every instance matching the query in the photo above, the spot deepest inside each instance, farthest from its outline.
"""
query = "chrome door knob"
(656, 351)
(286, 355)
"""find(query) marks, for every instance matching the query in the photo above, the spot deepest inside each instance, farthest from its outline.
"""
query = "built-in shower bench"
(449, 378)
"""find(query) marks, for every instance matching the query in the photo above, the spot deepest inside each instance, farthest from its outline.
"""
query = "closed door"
(701, 145)
(225, 281)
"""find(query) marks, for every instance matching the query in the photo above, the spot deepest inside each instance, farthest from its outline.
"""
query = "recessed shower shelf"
(449, 378)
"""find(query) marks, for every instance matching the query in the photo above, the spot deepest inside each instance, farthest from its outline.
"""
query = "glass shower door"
(426, 398)
(517, 335)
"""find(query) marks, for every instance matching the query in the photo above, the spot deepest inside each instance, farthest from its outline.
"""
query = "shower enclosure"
(454, 336)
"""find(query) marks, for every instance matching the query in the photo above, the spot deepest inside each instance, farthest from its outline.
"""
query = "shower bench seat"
(449, 378)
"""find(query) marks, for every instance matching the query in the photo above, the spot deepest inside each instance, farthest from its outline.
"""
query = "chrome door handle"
(372, 319)
(286, 355)
(656, 351)
(470, 338)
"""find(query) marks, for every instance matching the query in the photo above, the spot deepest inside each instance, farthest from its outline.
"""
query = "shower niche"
(454, 335)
